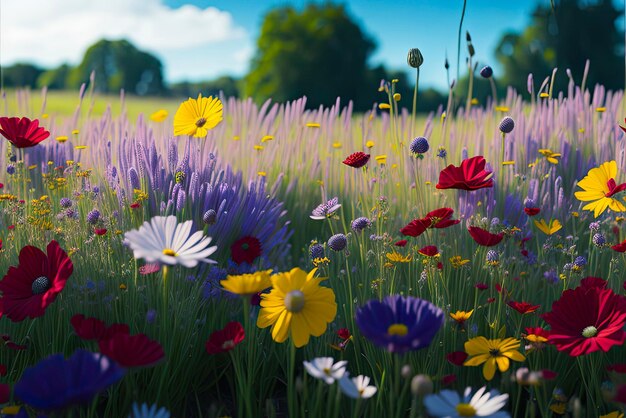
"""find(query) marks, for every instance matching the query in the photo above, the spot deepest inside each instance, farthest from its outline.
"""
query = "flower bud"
(415, 58)
(421, 385)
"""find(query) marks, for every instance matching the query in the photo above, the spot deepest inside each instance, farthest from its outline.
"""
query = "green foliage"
(320, 53)
(21, 75)
(226, 84)
(54, 79)
(565, 37)
(119, 65)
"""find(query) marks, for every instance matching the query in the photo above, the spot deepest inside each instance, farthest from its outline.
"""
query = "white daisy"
(164, 241)
(357, 387)
(324, 369)
(448, 403)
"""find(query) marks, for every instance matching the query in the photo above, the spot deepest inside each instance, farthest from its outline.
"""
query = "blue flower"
(398, 323)
(144, 412)
(55, 383)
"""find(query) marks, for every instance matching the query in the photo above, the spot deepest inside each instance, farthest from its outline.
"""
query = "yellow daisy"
(461, 316)
(195, 117)
(297, 306)
(247, 284)
(159, 115)
(492, 353)
(550, 156)
(396, 257)
(550, 228)
(599, 187)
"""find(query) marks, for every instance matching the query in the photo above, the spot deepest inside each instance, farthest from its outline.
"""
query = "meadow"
(373, 264)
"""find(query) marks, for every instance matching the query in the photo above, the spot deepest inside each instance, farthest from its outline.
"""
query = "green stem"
(417, 80)
(458, 47)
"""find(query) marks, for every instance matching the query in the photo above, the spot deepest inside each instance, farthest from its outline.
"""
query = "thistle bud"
(468, 38)
(470, 49)
(446, 64)
(421, 385)
(415, 58)
(486, 72)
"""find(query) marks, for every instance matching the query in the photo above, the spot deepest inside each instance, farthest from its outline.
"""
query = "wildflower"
(93, 216)
(471, 175)
(267, 138)
(144, 412)
(441, 152)
(337, 242)
(506, 125)
(149, 269)
(599, 187)
(457, 357)
(326, 210)
(484, 237)
(28, 289)
(397, 97)
(551, 157)
(586, 319)
(384, 106)
(398, 323)
(523, 307)
(492, 258)
(55, 383)
(297, 305)
(457, 261)
(620, 248)
(448, 403)
(132, 350)
(395, 257)
(550, 228)
(164, 241)
(247, 284)
(492, 352)
(65, 202)
(429, 251)
(381, 159)
(195, 117)
(419, 145)
(357, 160)
(259, 147)
(320, 260)
(245, 249)
(439, 218)
(461, 316)
(414, 58)
(22, 133)
(316, 250)
(486, 72)
(225, 339)
(325, 368)
(359, 224)
(598, 240)
(313, 125)
(337, 145)
(159, 116)
(357, 387)
(369, 144)
(400, 243)
(95, 329)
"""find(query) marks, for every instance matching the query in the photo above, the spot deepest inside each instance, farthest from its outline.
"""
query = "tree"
(21, 75)
(226, 84)
(55, 78)
(319, 53)
(119, 65)
(565, 37)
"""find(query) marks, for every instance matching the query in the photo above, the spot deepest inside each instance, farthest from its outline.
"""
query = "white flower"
(448, 403)
(357, 387)
(164, 241)
(324, 369)
(326, 210)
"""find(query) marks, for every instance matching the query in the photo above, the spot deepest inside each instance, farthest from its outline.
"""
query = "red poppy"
(100, 231)
(29, 288)
(401, 243)
(10, 344)
(457, 357)
(617, 368)
(538, 331)
(429, 251)
(548, 374)
(135, 205)
(481, 286)
(484, 237)
(438, 218)
(598, 282)
(448, 379)
(225, 339)
(523, 307)
(587, 319)
(357, 160)
(95, 329)
(532, 211)
(22, 133)
(245, 249)
(132, 350)
(344, 333)
(416, 227)
(620, 248)
(5, 393)
(471, 175)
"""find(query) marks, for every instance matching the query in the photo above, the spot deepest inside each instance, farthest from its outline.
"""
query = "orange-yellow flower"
(195, 117)
(599, 187)
(492, 353)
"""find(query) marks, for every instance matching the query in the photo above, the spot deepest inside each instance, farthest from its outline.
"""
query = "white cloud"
(51, 32)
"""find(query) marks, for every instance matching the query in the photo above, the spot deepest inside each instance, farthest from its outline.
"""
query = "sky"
(203, 39)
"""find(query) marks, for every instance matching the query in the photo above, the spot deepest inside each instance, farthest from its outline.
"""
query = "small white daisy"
(164, 241)
(326, 369)
(357, 387)
(448, 403)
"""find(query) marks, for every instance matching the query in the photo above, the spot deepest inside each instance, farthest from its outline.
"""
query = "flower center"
(495, 353)
(466, 410)
(590, 331)
(40, 285)
(169, 251)
(326, 371)
(245, 246)
(294, 301)
(397, 329)
(228, 345)
(200, 122)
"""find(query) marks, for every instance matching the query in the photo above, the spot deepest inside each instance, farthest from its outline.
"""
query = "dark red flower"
(491, 300)
(471, 175)
(416, 227)
(357, 160)
(538, 331)
(3, 370)
(22, 133)
(100, 231)
(598, 282)
(438, 218)
(620, 248)
(523, 307)
(448, 379)
(620, 394)
(532, 211)
(29, 288)
(587, 319)
(5, 393)
(401, 243)
(225, 339)
(457, 357)
(344, 333)
(548, 374)
(617, 368)
(95, 329)
(440, 266)
(429, 251)
(481, 286)
(135, 205)
(132, 350)
(484, 237)
(245, 249)
(10, 344)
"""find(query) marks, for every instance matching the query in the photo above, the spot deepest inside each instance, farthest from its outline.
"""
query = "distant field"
(65, 103)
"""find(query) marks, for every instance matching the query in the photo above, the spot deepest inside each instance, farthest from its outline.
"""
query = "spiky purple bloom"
(507, 125)
(11, 169)
(580, 261)
(55, 383)
(316, 251)
(486, 72)
(338, 242)
(209, 217)
(133, 177)
(398, 323)
(594, 226)
(419, 145)
(326, 210)
(551, 276)
(441, 152)
(65, 202)
(93, 216)
(598, 240)
(492, 256)
(151, 316)
(359, 224)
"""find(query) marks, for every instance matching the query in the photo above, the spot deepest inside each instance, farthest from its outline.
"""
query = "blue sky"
(203, 39)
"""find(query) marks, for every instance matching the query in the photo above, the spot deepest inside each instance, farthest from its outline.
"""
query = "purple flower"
(486, 72)
(326, 210)
(337, 242)
(209, 217)
(398, 323)
(507, 125)
(65, 202)
(93, 216)
(359, 224)
(419, 145)
(316, 251)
